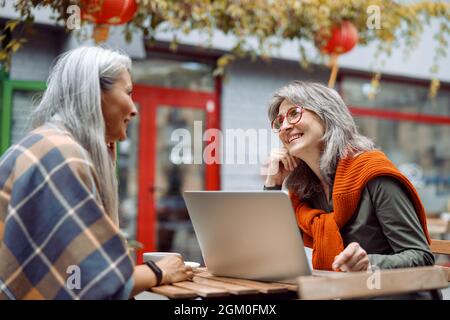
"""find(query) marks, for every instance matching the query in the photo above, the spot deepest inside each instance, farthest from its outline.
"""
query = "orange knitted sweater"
(321, 229)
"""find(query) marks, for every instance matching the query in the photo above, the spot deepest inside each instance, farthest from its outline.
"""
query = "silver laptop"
(252, 235)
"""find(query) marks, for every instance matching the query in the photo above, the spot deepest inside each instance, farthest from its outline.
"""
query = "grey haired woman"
(59, 235)
(354, 207)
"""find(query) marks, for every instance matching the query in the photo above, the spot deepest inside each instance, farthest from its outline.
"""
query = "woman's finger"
(358, 255)
(344, 256)
(284, 149)
(285, 163)
(283, 157)
(289, 161)
(294, 161)
(273, 166)
(362, 265)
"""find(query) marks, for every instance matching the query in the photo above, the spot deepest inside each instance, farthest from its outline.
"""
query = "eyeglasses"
(293, 115)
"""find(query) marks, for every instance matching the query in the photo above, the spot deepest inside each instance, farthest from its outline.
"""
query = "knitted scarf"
(321, 229)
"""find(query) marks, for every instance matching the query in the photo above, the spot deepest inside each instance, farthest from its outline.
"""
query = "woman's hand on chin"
(281, 164)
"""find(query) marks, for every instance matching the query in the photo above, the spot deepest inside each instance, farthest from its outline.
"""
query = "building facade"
(179, 100)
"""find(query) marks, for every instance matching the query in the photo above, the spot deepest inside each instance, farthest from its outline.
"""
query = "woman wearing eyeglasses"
(355, 209)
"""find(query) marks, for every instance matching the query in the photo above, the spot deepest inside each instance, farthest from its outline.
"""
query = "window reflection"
(174, 228)
(396, 96)
(420, 150)
(128, 179)
(174, 74)
(22, 105)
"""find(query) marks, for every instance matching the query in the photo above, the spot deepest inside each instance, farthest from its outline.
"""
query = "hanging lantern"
(107, 12)
(342, 39)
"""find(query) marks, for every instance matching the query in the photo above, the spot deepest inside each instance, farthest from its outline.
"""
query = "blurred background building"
(175, 89)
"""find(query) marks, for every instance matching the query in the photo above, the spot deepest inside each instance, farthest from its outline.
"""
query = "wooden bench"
(438, 226)
(441, 247)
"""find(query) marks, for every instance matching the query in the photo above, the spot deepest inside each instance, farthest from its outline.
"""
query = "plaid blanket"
(56, 242)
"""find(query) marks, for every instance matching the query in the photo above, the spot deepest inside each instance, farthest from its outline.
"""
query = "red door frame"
(149, 98)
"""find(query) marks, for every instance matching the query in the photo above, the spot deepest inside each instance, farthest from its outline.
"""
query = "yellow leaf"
(16, 46)
(3, 55)
(11, 24)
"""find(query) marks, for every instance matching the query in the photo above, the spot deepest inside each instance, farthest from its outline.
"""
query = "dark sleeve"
(400, 224)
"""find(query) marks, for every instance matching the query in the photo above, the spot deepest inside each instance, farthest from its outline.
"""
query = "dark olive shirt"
(385, 225)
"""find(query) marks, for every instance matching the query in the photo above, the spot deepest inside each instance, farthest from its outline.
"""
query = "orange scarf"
(321, 229)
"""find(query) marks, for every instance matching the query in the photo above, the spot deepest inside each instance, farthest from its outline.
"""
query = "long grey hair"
(341, 138)
(73, 98)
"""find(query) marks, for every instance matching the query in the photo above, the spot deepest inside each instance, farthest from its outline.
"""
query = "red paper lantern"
(341, 40)
(108, 11)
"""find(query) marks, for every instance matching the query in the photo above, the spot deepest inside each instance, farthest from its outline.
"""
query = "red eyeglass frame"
(284, 117)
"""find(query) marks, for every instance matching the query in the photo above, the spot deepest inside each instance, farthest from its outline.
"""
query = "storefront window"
(159, 72)
(395, 96)
(174, 94)
(18, 99)
(175, 230)
(128, 179)
(420, 149)
(22, 105)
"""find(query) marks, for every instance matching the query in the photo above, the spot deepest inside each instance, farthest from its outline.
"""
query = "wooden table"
(206, 286)
(320, 285)
(381, 283)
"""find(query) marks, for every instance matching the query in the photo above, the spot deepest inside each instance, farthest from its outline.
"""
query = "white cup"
(156, 256)
(446, 215)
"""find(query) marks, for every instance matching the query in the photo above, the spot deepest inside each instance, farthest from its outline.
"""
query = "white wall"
(33, 61)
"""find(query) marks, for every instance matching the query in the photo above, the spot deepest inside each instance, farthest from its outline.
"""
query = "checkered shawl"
(56, 241)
